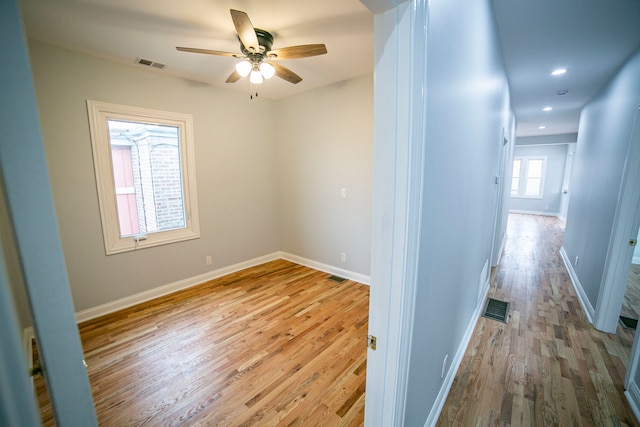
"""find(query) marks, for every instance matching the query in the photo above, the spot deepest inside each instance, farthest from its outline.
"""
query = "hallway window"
(527, 180)
(145, 176)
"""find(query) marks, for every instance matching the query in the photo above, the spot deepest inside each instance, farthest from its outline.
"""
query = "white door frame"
(501, 186)
(30, 204)
(625, 227)
(17, 402)
(399, 110)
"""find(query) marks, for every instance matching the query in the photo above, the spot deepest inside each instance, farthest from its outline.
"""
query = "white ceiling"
(123, 30)
(591, 38)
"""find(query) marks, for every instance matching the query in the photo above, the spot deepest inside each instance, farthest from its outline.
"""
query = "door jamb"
(626, 219)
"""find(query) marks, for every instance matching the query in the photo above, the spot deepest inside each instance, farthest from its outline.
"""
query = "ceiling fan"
(259, 59)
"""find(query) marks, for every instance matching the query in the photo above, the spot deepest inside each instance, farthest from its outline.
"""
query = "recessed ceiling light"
(547, 109)
(558, 71)
(542, 127)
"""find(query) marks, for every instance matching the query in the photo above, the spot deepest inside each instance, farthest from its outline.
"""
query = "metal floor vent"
(497, 310)
(628, 322)
(337, 279)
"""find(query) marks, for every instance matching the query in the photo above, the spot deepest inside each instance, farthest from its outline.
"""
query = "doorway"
(630, 311)
(624, 233)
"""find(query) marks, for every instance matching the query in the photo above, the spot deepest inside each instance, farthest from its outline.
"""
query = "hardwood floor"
(547, 366)
(277, 344)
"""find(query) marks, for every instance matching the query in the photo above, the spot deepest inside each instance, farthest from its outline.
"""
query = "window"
(527, 180)
(145, 174)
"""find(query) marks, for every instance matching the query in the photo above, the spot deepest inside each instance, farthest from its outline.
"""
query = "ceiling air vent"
(150, 63)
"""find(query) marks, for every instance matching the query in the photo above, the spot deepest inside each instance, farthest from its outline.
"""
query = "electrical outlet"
(343, 257)
(343, 192)
(444, 365)
(208, 260)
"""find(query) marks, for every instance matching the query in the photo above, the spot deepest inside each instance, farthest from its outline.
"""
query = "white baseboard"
(131, 300)
(110, 307)
(356, 277)
(436, 409)
(632, 393)
(582, 296)
(635, 260)
(520, 211)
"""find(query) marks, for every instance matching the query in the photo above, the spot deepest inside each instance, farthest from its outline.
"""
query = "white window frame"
(99, 115)
(524, 175)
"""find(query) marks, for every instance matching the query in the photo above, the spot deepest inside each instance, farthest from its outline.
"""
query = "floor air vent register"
(628, 322)
(497, 310)
(337, 279)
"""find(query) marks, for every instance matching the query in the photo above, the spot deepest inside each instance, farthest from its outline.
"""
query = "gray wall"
(325, 144)
(552, 193)
(238, 173)
(235, 173)
(467, 106)
(603, 140)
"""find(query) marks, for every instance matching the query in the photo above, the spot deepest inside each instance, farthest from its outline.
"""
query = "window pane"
(147, 177)
(535, 169)
(515, 183)
(533, 187)
(516, 168)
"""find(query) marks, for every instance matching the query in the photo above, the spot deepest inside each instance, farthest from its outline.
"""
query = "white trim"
(582, 296)
(99, 114)
(635, 260)
(399, 108)
(351, 275)
(520, 211)
(28, 335)
(438, 404)
(625, 226)
(632, 393)
(110, 307)
(523, 177)
(485, 281)
(500, 250)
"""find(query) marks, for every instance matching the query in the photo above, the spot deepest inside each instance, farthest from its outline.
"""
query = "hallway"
(547, 366)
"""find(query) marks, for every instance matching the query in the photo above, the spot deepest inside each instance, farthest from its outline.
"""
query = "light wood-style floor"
(277, 344)
(548, 366)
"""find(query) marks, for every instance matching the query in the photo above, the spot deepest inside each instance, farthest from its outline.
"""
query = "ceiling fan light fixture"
(243, 68)
(267, 70)
(256, 77)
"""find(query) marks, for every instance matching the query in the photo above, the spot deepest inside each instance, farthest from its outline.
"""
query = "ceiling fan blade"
(209, 52)
(286, 74)
(245, 30)
(233, 77)
(301, 51)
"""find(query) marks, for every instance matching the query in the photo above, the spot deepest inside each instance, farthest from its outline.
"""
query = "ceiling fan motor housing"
(265, 40)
